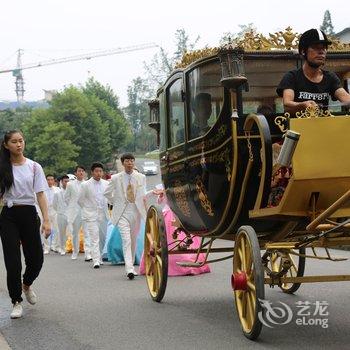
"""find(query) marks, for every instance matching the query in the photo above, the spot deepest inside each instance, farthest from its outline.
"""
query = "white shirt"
(58, 204)
(100, 199)
(128, 178)
(50, 192)
(28, 179)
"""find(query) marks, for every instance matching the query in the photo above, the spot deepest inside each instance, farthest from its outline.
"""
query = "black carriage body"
(205, 175)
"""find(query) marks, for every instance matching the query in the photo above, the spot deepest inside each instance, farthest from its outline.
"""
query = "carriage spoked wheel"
(248, 281)
(156, 253)
(297, 268)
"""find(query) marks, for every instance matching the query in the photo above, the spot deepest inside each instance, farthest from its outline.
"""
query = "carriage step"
(189, 264)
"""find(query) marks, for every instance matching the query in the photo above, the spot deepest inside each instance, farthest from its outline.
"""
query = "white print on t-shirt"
(321, 96)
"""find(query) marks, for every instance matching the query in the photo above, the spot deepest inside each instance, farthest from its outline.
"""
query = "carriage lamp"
(232, 67)
(154, 117)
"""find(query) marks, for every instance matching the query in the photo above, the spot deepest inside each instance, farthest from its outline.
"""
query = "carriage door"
(175, 178)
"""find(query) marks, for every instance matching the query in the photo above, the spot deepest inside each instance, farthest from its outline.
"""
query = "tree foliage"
(142, 90)
(137, 113)
(55, 149)
(236, 36)
(162, 63)
(104, 93)
(91, 133)
(13, 119)
(81, 125)
(327, 26)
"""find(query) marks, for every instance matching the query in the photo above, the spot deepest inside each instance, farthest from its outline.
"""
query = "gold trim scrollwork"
(174, 155)
(180, 198)
(314, 112)
(252, 41)
(176, 168)
(189, 57)
(286, 40)
(217, 137)
(205, 202)
(218, 157)
(281, 122)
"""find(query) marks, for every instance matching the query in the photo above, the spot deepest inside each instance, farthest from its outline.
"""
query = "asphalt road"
(83, 308)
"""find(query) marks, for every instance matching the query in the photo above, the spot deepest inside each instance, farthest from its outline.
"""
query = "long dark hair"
(6, 174)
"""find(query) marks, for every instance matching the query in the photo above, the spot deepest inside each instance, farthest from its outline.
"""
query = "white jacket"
(116, 195)
(71, 197)
(88, 200)
(59, 204)
(50, 194)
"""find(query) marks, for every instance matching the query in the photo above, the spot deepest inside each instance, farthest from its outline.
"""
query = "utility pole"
(17, 73)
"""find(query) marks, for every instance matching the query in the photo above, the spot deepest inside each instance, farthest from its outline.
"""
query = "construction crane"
(17, 72)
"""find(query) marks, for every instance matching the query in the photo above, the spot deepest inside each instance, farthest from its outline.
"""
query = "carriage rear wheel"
(156, 253)
(248, 281)
(297, 269)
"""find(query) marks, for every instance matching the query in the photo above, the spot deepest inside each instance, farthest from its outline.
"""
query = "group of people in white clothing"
(33, 208)
(78, 204)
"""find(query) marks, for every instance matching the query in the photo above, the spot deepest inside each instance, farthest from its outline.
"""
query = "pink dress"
(173, 268)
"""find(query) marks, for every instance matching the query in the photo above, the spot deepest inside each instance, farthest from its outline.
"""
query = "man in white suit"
(126, 192)
(74, 220)
(51, 242)
(60, 206)
(95, 211)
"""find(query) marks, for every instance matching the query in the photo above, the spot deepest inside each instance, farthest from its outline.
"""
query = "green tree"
(137, 113)
(327, 26)
(105, 93)
(106, 104)
(163, 63)
(13, 119)
(91, 134)
(50, 142)
(183, 44)
(236, 36)
(33, 127)
(54, 148)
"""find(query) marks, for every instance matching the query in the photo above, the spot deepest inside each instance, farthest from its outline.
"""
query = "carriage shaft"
(195, 251)
(308, 279)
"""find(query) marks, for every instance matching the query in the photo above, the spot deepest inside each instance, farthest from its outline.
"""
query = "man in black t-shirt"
(311, 85)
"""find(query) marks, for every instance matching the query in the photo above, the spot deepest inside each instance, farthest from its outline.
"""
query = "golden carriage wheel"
(297, 269)
(156, 253)
(248, 281)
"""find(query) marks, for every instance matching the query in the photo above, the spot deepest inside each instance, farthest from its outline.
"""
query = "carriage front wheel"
(156, 253)
(248, 281)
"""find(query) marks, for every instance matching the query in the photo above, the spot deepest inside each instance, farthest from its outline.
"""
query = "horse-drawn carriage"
(218, 119)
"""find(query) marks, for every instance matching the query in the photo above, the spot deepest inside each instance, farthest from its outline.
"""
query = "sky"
(51, 29)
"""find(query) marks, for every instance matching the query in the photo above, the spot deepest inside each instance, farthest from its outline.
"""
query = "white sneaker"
(46, 251)
(17, 310)
(62, 252)
(30, 295)
(74, 256)
(96, 265)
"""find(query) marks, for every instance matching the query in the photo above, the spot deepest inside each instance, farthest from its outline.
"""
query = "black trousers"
(20, 225)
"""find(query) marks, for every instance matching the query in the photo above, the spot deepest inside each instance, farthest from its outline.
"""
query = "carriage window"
(176, 114)
(264, 77)
(205, 98)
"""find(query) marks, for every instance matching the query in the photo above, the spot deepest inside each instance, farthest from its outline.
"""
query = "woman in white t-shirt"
(21, 179)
